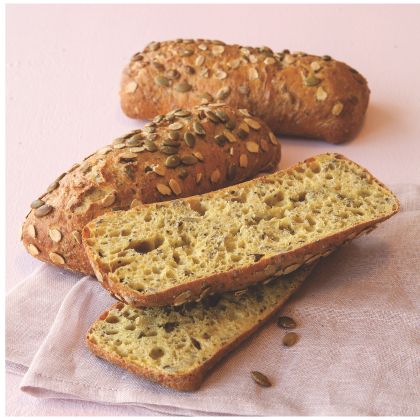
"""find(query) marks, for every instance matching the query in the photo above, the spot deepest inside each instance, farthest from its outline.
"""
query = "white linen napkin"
(358, 353)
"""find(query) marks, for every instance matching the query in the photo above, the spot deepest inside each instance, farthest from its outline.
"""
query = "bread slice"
(170, 253)
(176, 346)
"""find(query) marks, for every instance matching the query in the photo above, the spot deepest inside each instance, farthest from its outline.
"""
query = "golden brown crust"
(242, 277)
(192, 380)
(295, 94)
(115, 176)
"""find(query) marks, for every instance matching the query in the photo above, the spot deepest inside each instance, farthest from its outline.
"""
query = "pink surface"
(63, 70)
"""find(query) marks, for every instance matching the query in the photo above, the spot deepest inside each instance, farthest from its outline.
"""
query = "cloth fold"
(358, 354)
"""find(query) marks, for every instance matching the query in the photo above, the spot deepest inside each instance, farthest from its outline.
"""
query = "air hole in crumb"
(147, 245)
(197, 206)
(112, 319)
(156, 353)
(274, 199)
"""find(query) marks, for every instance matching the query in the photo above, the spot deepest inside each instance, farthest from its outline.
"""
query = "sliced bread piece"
(176, 346)
(173, 252)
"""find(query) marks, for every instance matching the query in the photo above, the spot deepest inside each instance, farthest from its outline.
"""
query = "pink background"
(63, 70)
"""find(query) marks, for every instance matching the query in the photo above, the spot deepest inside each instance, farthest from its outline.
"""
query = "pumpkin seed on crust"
(55, 235)
(31, 231)
(252, 123)
(175, 187)
(57, 258)
(183, 87)
(43, 210)
(172, 161)
(198, 128)
(163, 189)
(252, 147)
(243, 161)
(215, 176)
(37, 203)
(33, 250)
(162, 81)
(189, 139)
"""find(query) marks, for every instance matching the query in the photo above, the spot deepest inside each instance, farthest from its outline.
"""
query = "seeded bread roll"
(180, 154)
(176, 347)
(295, 94)
(174, 252)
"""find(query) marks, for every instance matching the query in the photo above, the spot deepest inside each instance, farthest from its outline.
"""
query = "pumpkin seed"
(321, 95)
(202, 47)
(154, 46)
(244, 112)
(196, 343)
(252, 123)
(198, 128)
(182, 113)
(223, 93)
(189, 139)
(171, 143)
(56, 258)
(269, 60)
(162, 81)
(189, 70)
(326, 58)
(230, 136)
(131, 87)
(198, 178)
(234, 64)
(173, 74)
(204, 72)
(43, 210)
(183, 87)
(215, 176)
(220, 139)
(55, 235)
(337, 109)
(286, 322)
(32, 231)
(312, 81)
(189, 160)
(245, 51)
(244, 89)
(264, 145)
(52, 186)
(148, 145)
(199, 60)
(252, 147)
(159, 170)
(199, 156)
(175, 187)
(176, 126)
(212, 116)
(127, 157)
(104, 150)
(273, 138)
(158, 66)
(163, 189)
(222, 116)
(220, 75)
(315, 66)
(33, 250)
(77, 236)
(167, 150)
(109, 200)
(253, 74)
(218, 49)
(37, 203)
(231, 173)
(230, 124)
(290, 339)
(172, 161)
(138, 149)
(182, 298)
(134, 142)
(243, 161)
(260, 379)
(253, 58)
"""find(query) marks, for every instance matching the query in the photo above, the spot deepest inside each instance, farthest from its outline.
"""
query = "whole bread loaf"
(182, 250)
(295, 94)
(180, 154)
(176, 347)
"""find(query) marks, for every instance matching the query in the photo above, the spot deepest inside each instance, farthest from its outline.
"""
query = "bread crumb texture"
(157, 247)
(176, 345)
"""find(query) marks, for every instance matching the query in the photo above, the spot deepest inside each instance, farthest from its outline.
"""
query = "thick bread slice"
(174, 252)
(296, 94)
(182, 153)
(176, 346)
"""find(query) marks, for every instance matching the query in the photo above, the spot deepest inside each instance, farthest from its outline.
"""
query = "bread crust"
(295, 94)
(242, 277)
(115, 177)
(191, 381)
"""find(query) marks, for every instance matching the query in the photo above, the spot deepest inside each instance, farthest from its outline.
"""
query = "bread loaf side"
(179, 154)
(295, 94)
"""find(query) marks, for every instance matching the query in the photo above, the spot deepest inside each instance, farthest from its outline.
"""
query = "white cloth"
(358, 319)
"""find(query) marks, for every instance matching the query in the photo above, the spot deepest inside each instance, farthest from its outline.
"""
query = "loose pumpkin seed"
(56, 258)
(223, 93)
(252, 123)
(163, 189)
(189, 160)
(149, 146)
(162, 81)
(286, 323)
(260, 379)
(37, 203)
(321, 95)
(215, 176)
(172, 161)
(55, 235)
(189, 139)
(337, 109)
(43, 210)
(183, 87)
(32, 231)
(175, 187)
(290, 339)
(33, 250)
(198, 128)
(252, 147)
(243, 161)
(312, 81)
